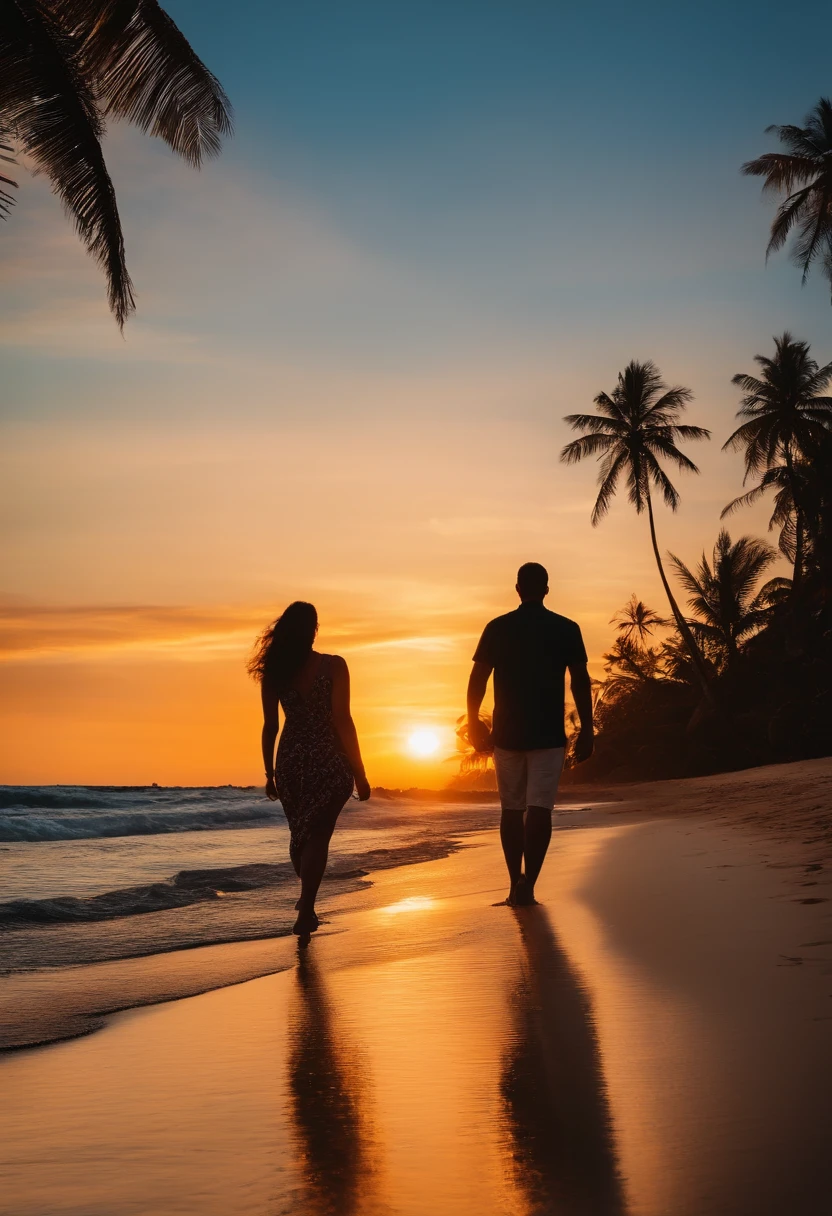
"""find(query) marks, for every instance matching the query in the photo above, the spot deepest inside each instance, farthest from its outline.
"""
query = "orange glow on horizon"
(137, 695)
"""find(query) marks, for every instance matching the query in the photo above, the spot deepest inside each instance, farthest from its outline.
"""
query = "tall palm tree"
(803, 173)
(67, 65)
(724, 593)
(786, 416)
(637, 426)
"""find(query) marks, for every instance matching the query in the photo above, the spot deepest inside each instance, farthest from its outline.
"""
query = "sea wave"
(198, 886)
(33, 828)
(32, 814)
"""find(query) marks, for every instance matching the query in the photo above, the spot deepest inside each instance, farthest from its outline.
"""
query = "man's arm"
(582, 696)
(477, 684)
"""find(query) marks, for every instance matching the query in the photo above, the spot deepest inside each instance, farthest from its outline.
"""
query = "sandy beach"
(655, 1038)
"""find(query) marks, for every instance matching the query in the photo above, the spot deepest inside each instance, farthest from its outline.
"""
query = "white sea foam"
(95, 873)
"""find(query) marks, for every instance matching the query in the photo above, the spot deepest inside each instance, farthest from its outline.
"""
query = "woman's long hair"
(283, 648)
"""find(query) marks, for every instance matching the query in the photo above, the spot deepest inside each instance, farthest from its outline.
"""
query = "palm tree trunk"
(797, 573)
(799, 527)
(681, 623)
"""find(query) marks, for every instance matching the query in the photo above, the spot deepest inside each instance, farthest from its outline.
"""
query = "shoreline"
(525, 1053)
(88, 994)
(778, 805)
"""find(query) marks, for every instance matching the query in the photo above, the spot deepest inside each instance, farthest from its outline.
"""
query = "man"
(529, 651)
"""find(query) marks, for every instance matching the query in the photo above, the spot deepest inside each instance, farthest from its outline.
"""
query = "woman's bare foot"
(510, 900)
(307, 922)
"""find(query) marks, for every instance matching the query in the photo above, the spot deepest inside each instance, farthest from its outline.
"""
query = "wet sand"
(655, 1039)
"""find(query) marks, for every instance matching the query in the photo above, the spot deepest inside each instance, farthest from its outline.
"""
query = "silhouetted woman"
(318, 758)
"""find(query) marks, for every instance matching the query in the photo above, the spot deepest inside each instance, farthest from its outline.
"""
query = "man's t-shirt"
(529, 650)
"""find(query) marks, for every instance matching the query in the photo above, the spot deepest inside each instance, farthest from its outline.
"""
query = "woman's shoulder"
(335, 661)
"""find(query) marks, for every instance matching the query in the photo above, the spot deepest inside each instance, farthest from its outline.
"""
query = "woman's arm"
(344, 725)
(271, 725)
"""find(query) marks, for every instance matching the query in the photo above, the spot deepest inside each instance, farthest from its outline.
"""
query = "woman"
(318, 758)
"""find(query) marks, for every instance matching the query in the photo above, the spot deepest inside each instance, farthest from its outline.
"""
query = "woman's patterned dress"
(312, 775)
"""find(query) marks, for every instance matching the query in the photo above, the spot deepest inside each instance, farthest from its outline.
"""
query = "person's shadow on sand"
(325, 1087)
(557, 1115)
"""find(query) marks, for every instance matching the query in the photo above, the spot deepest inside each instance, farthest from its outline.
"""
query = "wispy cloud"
(182, 633)
(93, 632)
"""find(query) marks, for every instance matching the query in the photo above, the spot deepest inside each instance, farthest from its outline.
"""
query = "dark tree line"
(744, 677)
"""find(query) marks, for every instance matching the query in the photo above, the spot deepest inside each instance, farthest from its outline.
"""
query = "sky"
(437, 229)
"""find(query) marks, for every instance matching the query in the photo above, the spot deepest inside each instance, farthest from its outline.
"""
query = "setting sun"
(423, 742)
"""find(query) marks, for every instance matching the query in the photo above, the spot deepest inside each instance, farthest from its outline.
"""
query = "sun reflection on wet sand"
(413, 903)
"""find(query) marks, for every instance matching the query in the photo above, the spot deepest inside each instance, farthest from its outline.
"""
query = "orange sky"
(295, 413)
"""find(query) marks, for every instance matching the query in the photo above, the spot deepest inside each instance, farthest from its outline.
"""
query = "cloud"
(37, 632)
(90, 633)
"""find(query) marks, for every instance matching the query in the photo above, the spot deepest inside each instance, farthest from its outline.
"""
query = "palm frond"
(611, 470)
(587, 445)
(750, 384)
(608, 406)
(46, 99)
(663, 483)
(147, 72)
(594, 422)
(671, 401)
(7, 200)
(694, 433)
(664, 445)
(814, 231)
(690, 581)
(788, 213)
(782, 172)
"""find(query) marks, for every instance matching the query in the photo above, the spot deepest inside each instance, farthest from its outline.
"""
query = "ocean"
(96, 873)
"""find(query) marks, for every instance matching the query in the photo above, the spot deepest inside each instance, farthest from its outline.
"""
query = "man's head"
(532, 582)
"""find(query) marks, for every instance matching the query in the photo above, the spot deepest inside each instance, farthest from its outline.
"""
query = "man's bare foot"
(523, 895)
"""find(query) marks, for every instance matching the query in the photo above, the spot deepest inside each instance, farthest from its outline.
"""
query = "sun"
(423, 742)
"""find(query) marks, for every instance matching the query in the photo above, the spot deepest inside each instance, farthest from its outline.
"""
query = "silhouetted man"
(529, 651)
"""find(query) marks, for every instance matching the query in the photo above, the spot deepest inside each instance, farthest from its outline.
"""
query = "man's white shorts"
(527, 779)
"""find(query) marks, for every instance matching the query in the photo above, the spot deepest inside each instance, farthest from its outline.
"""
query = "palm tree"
(471, 762)
(635, 621)
(803, 173)
(638, 425)
(724, 593)
(627, 662)
(65, 66)
(786, 417)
